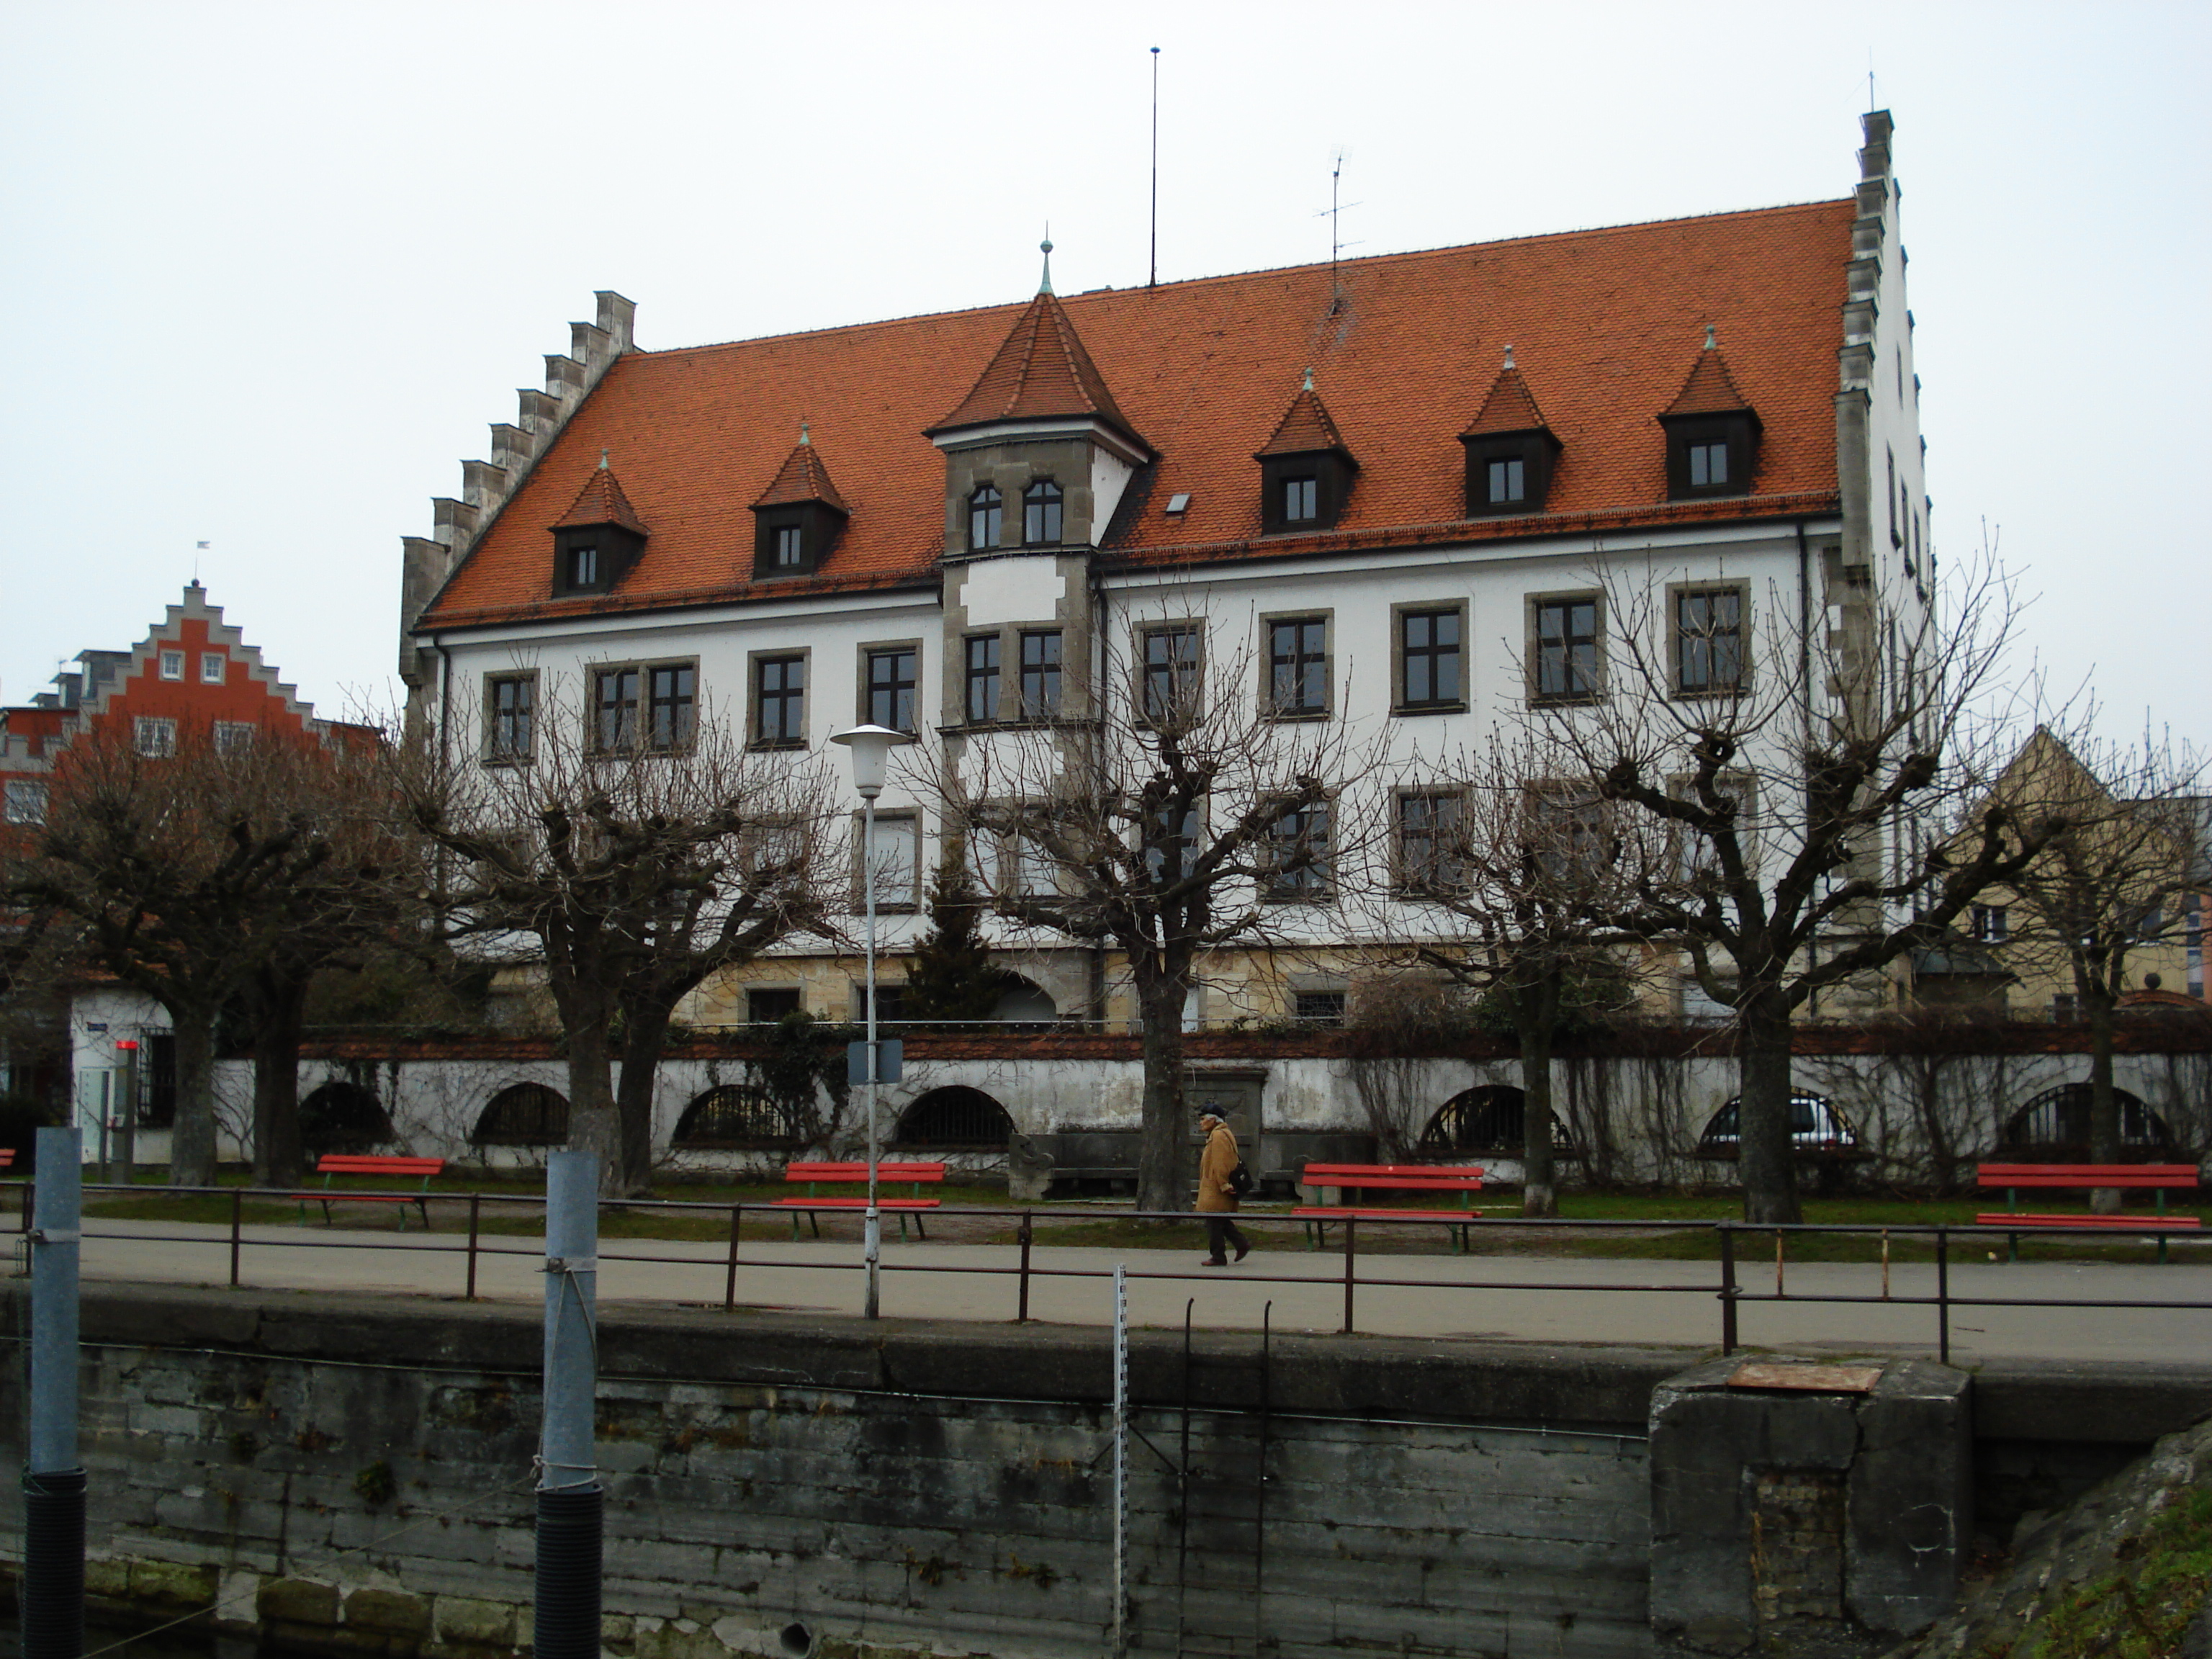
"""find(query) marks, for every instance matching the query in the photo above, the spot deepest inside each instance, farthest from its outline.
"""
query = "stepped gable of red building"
(1408, 346)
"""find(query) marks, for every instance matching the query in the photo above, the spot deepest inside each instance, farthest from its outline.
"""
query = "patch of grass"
(2142, 1611)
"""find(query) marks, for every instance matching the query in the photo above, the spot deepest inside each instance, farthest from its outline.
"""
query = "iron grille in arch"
(343, 1117)
(1487, 1119)
(2056, 1124)
(733, 1116)
(524, 1115)
(954, 1117)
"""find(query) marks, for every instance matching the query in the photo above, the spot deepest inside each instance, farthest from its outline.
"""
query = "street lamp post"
(872, 747)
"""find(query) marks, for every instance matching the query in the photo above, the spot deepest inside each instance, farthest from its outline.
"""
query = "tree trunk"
(593, 1126)
(1162, 1133)
(278, 1157)
(2104, 1104)
(191, 1131)
(1768, 1171)
(1536, 1008)
(644, 1036)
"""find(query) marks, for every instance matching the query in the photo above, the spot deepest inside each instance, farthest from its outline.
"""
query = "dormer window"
(1508, 481)
(789, 552)
(1302, 498)
(1712, 434)
(598, 540)
(987, 511)
(584, 568)
(1040, 504)
(1509, 451)
(1708, 465)
(1306, 469)
(796, 521)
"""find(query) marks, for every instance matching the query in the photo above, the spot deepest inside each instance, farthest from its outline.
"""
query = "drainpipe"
(570, 1502)
(52, 1607)
(1805, 692)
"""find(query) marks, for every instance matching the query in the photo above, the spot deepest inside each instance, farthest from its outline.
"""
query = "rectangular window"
(213, 666)
(768, 1006)
(614, 709)
(1429, 659)
(26, 800)
(233, 737)
(1171, 673)
(790, 554)
(1991, 924)
(779, 700)
(1708, 465)
(1567, 832)
(890, 688)
(1029, 870)
(1301, 500)
(671, 706)
(583, 567)
(1509, 480)
(1709, 641)
(1171, 840)
(172, 665)
(1319, 1007)
(1041, 674)
(1566, 649)
(1697, 862)
(1298, 666)
(1295, 859)
(154, 735)
(1426, 856)
(981, 702)
(511, 717)
(897, 863)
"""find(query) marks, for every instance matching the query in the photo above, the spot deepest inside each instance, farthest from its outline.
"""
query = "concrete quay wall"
(355, 1473)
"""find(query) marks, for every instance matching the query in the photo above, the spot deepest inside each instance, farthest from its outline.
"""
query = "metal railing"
(1729, 1287)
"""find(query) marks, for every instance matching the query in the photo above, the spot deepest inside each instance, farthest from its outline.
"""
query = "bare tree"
(1811, 767)
(1180, 819)
(2103, 888)
(632, 864)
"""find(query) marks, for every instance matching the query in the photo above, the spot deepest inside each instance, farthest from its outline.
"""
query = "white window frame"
(171, 664)
(25, 801)
(154, 735)
(214, 667)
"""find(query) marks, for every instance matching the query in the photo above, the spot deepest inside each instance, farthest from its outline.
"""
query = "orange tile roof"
(600, 502)
(1709, 391)
(1304, 429)
(803, 478)
(1511, 407)
(1041, 371)
(1601, 318)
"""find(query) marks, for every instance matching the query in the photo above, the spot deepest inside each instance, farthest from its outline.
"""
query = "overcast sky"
(268, 270)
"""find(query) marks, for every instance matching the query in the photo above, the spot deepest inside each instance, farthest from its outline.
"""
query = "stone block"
(172, 1586)
(468, 1620)
(388, 1612)
(298, 1601)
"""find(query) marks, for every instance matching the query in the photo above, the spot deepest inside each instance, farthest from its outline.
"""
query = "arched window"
(1815, 1127)
(524, 1115)
(985, 512)
(342, 1117)
(1041, 515)
(1488, 1119)
(734, 1118)
(2055, 1125)
(955, 1118)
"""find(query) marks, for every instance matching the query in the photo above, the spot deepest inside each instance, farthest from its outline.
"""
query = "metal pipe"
(1943, 1295)
(569, 1499)
(1350, 1230)
(872, 1226)
(476, 1202)
(53, 1588)
(237, 1220)
(730, 1278)
(1021, 1314)
(1728, 1289)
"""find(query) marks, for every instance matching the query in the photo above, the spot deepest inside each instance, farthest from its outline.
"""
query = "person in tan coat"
(1215, 1200)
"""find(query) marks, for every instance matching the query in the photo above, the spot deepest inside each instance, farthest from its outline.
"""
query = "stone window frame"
(969, 675)
(494, 754)
(996, 506)
(1317, 884)
(1532, 663)
(24, 801)
(864, 670)
(1023, 634)
(1676, 593)
(755, 661)
(899, 907)
(1326, 615)
(1144, 633)
(642, 704)
(1051, 507)
(1736, 781)
(232, 737)
(153, 737)
(1399, 613)
(1404, 886)
(797, 992)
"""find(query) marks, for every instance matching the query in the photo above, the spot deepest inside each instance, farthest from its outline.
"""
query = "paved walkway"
(1438, 1295)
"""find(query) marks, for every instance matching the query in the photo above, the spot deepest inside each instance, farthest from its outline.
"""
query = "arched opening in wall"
(1815, 1126)
(524, 1115)
(2054, 1128)
(955, 1120)
(1025, 1002)
(732, 1118)
(1491, 1118)
(343, 1117)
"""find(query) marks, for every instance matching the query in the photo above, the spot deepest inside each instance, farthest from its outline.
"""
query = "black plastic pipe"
(52, 1603)
(568, 1598)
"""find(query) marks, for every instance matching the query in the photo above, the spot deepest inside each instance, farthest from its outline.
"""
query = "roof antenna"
(1336, 242)
(1153, 279)
(1044, 284)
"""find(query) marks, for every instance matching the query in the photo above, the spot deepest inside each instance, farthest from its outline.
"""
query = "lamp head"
(872, 748)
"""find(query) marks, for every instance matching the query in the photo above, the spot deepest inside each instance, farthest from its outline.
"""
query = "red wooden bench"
(846, 1175)
(1404, 1177)
(2160, 1178)
(355, 1165)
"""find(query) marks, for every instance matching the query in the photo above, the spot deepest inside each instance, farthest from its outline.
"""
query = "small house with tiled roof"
(1405, 477)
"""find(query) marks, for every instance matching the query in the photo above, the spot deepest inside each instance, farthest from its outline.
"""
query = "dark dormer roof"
(1041, 372)
(802, 480)
(1709, 390)
(1305, 429)
(1511, 407)
(601, 501)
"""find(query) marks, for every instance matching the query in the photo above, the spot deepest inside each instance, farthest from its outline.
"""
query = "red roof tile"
(1198, 366)
(1041, 371)
(1709, 391)
(1304, 429)
(600, 502)
(803, 478)
(1511, 407)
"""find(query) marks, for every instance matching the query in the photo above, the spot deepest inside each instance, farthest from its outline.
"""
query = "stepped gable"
(1304, 429)
(1041, 371)
(1511, 407)
(1709, 390)
(803, 478)
(1198, 367)
(601, 501)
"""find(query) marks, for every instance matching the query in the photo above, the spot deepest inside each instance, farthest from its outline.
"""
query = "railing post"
(1728, 1289)
(474, 1200)
(1021, 1314)
(1350, 1233)
(237, 1216)
(1943, 1295)
(730, 1274)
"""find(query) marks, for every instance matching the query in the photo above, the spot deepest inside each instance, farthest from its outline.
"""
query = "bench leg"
(922, 1232)
(2162, 1249)
(2012, 1247)
(794, 1226)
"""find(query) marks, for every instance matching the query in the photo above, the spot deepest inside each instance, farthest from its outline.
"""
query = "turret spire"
(1044, 283)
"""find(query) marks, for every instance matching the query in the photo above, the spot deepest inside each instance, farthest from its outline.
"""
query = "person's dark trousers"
(1220, 1233)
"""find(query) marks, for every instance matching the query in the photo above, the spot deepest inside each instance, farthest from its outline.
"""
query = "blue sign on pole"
(890, 1055)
